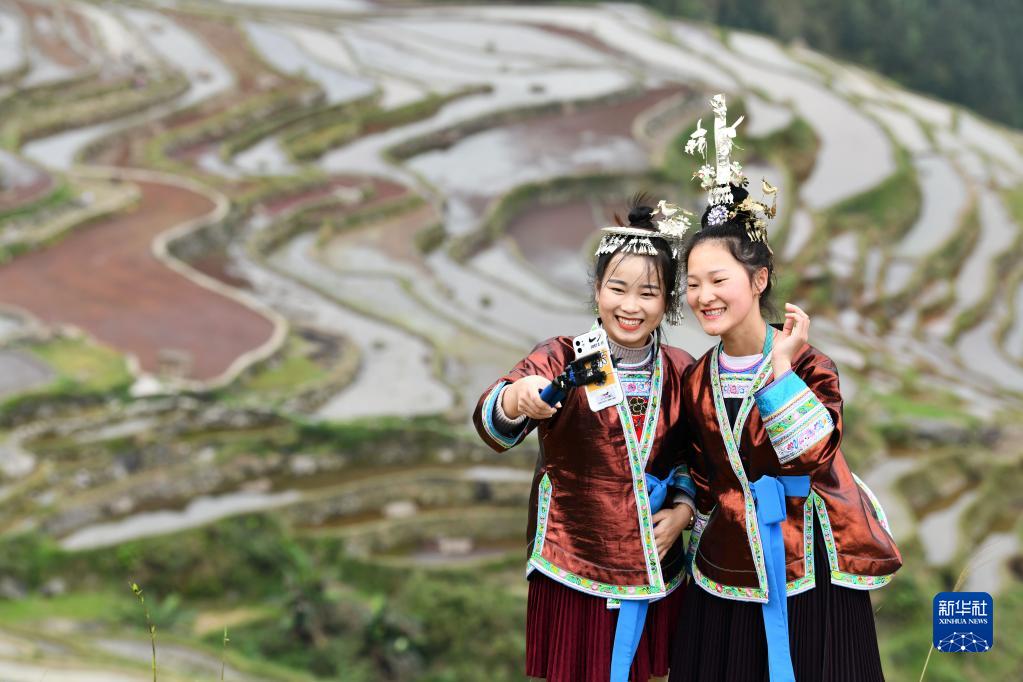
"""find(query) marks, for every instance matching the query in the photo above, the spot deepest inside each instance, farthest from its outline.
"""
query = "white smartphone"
(609, 392)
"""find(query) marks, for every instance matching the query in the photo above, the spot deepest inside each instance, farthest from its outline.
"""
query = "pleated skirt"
(570, 634)
(831, 634)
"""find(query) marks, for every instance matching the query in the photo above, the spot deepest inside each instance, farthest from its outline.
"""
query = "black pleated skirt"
(831, 634)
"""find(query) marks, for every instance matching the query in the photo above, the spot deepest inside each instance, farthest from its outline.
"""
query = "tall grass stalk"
(137, 591)
(223, 655)
(963, 575)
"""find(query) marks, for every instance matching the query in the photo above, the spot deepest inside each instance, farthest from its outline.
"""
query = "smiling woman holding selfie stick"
(611, 495)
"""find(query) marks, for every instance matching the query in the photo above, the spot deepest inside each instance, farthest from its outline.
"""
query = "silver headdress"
(720, 178)
(672, 222)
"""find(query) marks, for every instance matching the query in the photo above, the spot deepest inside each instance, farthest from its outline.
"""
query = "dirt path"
(105, 280)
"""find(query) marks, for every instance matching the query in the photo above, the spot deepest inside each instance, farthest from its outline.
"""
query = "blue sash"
(770, 494)
(632, 612)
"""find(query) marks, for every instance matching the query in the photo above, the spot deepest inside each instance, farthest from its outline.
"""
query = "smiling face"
(721, 292)
(630, 299)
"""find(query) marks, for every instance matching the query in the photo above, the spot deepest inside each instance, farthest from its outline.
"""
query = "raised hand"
(790, 339)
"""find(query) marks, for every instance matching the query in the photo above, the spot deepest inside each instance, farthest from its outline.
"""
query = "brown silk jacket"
(792, 426)
(590, 524)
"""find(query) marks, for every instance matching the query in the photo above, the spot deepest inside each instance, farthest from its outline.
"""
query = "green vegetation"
(903, 614)
(430, 238)
(343, 123)
(326, 614)
(1011, 285)
(291, 373)
(941, 266)
(907, 41)
(560, 188)
(103, 105)
(83, 366)
(1003, 278)
(884, 212)
(161, 149)
(86, 372)
(60, 195)
(946, 476)
(310, 368)
(999, 499)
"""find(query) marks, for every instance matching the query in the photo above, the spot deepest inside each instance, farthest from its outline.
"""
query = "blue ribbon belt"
(632, 613)
(770, 494)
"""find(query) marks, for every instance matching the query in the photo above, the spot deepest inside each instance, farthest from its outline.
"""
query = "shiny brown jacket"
(590, 525)
(725, 547)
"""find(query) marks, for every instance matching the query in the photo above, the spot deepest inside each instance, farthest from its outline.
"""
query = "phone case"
(609, 392)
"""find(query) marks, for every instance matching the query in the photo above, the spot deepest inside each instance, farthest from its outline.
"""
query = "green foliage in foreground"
(327, 615)
(318, 611)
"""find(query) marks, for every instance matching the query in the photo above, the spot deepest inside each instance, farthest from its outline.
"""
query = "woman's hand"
(523, 397)
(790, 339)
(668, 525)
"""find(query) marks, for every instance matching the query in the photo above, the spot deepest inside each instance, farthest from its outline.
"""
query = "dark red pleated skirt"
(569, 634)
(831, 635)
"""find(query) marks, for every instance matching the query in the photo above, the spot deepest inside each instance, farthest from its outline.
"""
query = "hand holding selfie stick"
(580, 372)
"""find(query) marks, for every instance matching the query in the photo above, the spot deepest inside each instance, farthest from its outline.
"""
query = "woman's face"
(719, 290)
(630, 300)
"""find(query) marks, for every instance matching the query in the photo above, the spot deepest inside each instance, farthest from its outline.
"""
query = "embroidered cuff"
(793, 416)
(681, 480)
(505, 424)
(505, 440)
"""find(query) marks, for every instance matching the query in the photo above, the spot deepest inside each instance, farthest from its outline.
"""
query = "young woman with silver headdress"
(611, 495)
(787, 539)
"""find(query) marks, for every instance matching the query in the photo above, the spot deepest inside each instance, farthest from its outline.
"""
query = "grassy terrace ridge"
(884, 212)
(441, 139)
(308, 218)
(878, 216)
(301, 373)
(59, 116)
(78, 86)
(946, 477)
(59, 195)
(999, 498)
(505, 208)
(942, 264)
(1010, 287)
(160, 149)
(45, 222)
(290, 122)
(343, 123)
(791, 148)
(1003, 280)
(86, 371)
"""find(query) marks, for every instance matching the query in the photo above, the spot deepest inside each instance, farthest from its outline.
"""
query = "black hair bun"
(739, 194)
(639, 216)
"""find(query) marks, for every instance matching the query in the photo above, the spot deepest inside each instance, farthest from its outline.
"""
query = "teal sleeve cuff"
(795, 419)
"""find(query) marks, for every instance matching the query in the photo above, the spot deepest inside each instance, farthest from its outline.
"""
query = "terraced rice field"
(415, 190)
